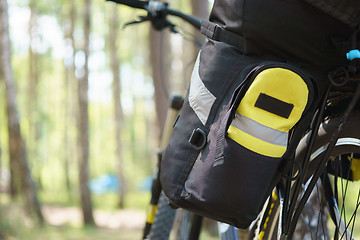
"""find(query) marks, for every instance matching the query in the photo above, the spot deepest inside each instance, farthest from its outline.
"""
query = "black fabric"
(216, 33)
(292, 30)
(347, 11)
(274, 105)
(240, 184)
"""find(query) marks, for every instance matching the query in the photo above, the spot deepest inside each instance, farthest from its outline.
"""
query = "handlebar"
(132, 3)
(157, 12)
(196, 22)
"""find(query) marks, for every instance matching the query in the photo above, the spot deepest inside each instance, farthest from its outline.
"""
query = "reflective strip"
(200, 98)
(255, 144)
(343, 228)
(260, 131)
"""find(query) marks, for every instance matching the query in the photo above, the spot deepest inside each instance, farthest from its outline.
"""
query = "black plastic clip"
(198, 139)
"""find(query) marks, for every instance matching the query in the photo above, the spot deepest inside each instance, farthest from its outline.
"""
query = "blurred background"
(82, 104)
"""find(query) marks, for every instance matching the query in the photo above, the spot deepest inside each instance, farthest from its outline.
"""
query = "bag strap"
(220, 141)
(217, 33)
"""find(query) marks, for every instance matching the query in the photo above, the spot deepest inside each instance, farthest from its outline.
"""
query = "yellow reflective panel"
(254, 144)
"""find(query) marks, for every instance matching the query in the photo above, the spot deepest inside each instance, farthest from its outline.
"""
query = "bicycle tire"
(163, 221)
(349, 142)
(184, 224)
(177, 224)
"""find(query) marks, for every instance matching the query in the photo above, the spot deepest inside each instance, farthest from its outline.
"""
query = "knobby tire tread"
(163, 222)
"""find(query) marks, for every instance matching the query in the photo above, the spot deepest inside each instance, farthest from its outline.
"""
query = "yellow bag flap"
(278, 83)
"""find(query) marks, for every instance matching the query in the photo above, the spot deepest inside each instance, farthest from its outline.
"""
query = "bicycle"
(326, 161)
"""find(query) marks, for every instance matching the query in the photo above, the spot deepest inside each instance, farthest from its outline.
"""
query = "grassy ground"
(71, 233)
(64, 223)
(64, 219)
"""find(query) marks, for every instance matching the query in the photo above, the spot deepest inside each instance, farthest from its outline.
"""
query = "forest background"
(82, 104)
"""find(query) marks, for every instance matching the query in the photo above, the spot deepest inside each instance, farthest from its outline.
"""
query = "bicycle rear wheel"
(163, 222)
(332, 210)
(176, 224)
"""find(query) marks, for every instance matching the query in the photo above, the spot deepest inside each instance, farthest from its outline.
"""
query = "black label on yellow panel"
(274, 105)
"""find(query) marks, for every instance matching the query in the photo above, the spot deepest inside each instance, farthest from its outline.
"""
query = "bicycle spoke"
(342, 192)
(354, 214)
(320, 216)
(309, 221)
(337, 172)
(345, 216)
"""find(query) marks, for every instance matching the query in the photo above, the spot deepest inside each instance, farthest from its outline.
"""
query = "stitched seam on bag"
(220, 140)
(219, 151)
(219, 156)
(233, 74)
(187, 169)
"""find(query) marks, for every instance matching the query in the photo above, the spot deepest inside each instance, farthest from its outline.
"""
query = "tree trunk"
(118, 115)
(70, 83)
(84, 126)
(66, 155)
(32, 98)
(2, 236)
(200, 9)
(160, 65)
(17, 148)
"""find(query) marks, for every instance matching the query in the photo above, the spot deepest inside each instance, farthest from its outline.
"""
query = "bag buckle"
(198, 139)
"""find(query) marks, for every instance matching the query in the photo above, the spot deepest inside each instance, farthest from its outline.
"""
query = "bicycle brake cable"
(141, 20)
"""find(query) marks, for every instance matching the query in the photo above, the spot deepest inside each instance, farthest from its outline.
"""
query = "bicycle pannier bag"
(347, 11)
(233, 134)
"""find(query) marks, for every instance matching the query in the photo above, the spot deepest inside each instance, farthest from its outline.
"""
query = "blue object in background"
(353, 54)
(146, 184)
(104, 184)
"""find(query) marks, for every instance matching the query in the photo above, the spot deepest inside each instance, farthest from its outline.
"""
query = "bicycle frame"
(175, 105)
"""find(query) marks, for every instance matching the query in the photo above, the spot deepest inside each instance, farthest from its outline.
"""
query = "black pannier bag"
(347, 11)
(233, 133)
